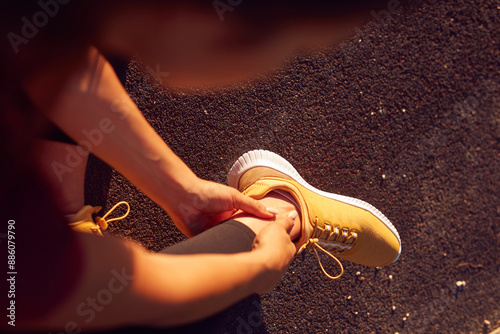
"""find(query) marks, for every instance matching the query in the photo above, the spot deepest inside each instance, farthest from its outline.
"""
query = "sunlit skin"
(198, 50)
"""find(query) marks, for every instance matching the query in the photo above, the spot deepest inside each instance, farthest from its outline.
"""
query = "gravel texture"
(405, 115)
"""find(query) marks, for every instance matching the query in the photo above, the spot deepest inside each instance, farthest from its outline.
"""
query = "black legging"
(228, 237)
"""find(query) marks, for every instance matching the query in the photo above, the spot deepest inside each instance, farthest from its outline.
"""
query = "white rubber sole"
(263, 158)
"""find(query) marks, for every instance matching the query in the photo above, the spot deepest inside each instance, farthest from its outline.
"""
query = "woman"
(55, 68)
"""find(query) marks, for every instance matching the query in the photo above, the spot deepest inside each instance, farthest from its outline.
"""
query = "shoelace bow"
(103, 223)
(312, 243)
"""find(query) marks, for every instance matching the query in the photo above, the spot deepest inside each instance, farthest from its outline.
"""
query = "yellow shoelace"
(312, 243)
(103, 223)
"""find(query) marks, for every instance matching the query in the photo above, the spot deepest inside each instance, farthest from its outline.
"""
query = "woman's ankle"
(274, 201)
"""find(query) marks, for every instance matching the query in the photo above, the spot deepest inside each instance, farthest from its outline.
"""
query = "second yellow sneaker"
(337, 225)
(82, 221)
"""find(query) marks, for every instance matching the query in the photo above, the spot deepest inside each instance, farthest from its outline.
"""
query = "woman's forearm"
(132, 287)
(94, 109)
(198, 287)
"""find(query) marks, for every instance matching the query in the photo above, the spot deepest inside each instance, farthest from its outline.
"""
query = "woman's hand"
(129, 144)
(207, 203)
(277, 250)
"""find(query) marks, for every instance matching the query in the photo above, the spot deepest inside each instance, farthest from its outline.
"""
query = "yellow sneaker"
(82, 220)
(337, 225)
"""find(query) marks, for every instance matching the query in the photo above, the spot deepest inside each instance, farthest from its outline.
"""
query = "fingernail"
(293, 214)
(272, 210)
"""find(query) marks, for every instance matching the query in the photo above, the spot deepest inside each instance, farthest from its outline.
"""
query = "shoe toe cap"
(375, 247)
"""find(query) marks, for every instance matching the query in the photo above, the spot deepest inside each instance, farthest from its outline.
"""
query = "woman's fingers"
(250, 205)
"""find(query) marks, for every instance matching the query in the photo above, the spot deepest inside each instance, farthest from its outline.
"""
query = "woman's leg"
(237, 234)
(233, 236)
(66, 172)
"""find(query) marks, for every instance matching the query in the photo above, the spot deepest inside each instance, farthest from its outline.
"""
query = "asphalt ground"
(405, 114)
